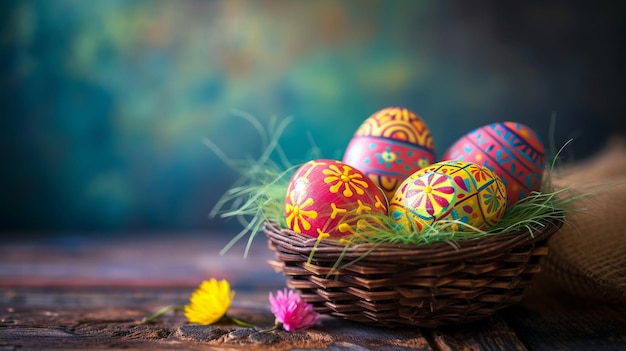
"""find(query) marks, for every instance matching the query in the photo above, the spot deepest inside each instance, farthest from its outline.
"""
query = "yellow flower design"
(351, 182)
(297, 215)
(210, 302)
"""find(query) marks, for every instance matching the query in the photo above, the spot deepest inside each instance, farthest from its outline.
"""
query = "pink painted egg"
(512, 150)
(328, 197)
(464, 192)
(389, 146)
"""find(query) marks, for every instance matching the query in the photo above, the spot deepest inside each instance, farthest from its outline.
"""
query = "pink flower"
(291, 311)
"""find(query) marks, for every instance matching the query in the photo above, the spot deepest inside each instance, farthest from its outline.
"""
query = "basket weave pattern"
(395, 285)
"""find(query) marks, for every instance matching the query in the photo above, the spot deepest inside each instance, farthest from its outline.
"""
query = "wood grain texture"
(493, 333)
(94, 320)
(35, 319)
(559, 321)
(163, 260)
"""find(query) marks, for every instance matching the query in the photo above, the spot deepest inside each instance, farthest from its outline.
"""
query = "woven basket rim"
(439, 252)
(428, 285)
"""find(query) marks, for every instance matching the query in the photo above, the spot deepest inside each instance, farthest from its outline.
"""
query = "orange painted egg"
(326, 197)
(449, 191)
(389, 146)
(512, 150)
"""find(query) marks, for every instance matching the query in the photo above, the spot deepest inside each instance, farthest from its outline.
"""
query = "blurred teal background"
(105, 103)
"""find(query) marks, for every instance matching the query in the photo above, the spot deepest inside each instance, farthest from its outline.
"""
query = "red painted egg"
(389, 146)
(326, 197)
(511, 150)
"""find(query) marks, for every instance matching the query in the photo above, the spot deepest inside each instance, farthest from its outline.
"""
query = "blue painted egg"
(512, 150)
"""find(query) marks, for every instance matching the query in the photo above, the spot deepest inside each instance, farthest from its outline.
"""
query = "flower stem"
(161, 312)
(239, 322)
(277, 325)
(270, 329)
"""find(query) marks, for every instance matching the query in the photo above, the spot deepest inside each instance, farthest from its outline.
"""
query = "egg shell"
(326, 197)
(389, 146)
(449, 190)
(512, 150)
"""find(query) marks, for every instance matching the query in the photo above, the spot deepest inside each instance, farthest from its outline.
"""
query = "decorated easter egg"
(449, 191)
(389, 146)
(328, 197)
(512, 150)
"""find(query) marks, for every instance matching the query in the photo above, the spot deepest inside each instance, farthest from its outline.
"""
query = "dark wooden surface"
(76, 292)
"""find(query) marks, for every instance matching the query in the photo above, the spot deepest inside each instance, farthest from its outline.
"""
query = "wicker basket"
(406, 285)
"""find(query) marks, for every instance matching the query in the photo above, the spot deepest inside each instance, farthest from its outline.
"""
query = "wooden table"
(81, 292)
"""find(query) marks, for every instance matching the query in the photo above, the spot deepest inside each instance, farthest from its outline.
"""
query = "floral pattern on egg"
(449, 191)
(328, 197)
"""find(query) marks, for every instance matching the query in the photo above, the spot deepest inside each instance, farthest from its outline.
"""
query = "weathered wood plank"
(48, 319)
(558, 321)
(491, 334)
(92, 295)
(36, 319)
(142, 261)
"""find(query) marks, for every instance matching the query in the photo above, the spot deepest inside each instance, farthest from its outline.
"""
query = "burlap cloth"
(588, 255)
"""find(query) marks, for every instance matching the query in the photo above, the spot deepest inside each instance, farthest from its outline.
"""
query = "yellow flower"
(210, 302)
